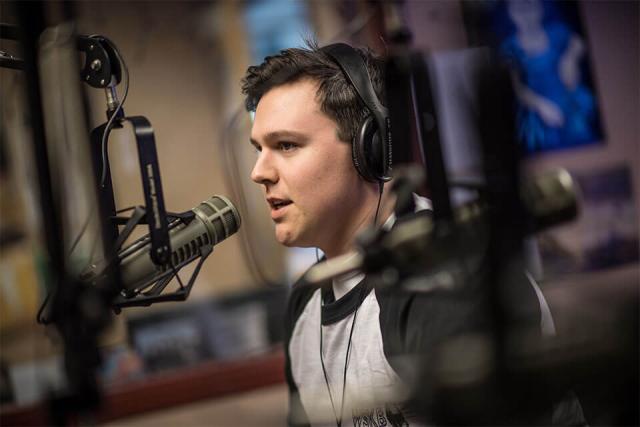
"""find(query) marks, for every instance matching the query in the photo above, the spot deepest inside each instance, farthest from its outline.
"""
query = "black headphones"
(371, 147)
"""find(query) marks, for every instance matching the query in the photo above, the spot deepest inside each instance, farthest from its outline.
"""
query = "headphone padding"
(366, 151)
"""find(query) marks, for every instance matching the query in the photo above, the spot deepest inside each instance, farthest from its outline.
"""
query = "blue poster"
(547, 52)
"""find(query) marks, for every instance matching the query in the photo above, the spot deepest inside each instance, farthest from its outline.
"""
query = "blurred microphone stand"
(410, 95)
(475, 385)
(80, 305)
(79, 311)
(496, 368)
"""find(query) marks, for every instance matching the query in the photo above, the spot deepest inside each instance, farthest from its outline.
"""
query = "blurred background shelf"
(208, 380)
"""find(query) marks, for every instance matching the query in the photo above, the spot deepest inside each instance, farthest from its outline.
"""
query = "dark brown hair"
(336, 96)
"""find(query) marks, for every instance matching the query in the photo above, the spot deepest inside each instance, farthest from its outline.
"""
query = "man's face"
(314, 193)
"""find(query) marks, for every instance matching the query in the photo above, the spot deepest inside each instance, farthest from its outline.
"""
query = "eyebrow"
(280, 135)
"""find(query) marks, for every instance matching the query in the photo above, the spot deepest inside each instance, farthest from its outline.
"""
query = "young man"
(306, 116)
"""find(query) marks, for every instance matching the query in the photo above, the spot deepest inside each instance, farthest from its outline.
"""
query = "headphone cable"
(375, 218)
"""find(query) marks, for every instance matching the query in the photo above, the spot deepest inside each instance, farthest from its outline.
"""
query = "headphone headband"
(355, 70)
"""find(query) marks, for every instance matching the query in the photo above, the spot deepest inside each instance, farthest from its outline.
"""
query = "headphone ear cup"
(375, 155)
(367, 151)
(360, 149)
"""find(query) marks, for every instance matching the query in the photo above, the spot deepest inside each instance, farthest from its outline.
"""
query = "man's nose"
(264, 172)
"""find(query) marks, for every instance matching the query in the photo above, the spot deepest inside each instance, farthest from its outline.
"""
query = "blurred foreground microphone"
(214, 220)
(549, 199)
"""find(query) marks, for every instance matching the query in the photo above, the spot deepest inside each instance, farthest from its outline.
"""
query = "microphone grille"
(220, 216)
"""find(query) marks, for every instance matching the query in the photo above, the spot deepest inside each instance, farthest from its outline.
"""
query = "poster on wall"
(606, 235)
(545, 47)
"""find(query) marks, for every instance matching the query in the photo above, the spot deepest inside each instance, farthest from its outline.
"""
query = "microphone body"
(214, 220)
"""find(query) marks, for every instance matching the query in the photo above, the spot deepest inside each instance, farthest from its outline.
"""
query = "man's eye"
(287, 146)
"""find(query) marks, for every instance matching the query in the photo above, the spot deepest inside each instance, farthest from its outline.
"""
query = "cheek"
(322, 181)
(335, 186)
(335, 166)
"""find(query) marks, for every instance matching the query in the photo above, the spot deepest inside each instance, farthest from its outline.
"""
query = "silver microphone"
(215, 220)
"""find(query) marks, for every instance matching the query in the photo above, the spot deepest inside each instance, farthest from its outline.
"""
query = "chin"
(290, 239)
(285, 238)
(285, 242)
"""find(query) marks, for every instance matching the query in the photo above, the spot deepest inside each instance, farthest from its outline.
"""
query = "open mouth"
(279, 204)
